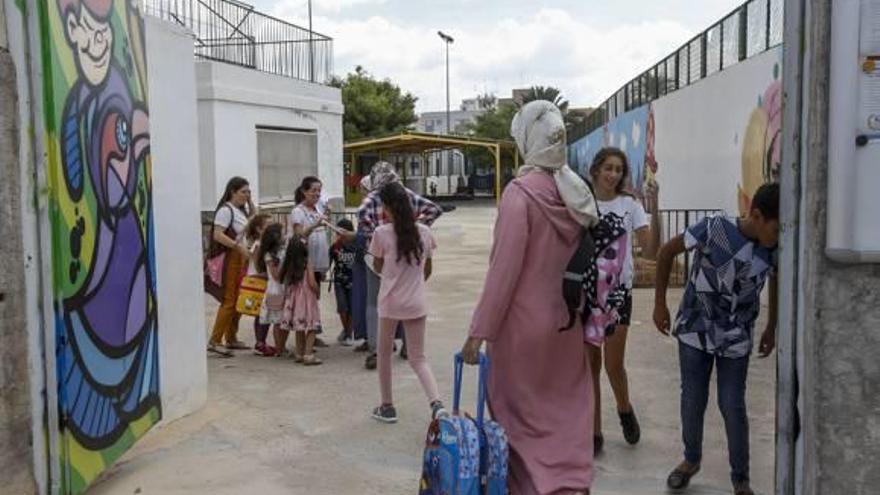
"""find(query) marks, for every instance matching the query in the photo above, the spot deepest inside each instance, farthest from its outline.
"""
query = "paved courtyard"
(273, 427)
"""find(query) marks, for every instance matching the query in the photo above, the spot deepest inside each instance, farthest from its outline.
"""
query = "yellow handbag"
(250, 295)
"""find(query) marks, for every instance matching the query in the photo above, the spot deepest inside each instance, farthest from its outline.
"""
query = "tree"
(494, 123)
(548, 93)
(554, 96)
(487, 101)
(373, 107)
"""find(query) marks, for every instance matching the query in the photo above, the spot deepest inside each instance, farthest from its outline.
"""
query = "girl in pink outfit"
(301, 312)
(402, 251)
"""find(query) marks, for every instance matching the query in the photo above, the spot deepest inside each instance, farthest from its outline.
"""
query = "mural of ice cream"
(761, 149)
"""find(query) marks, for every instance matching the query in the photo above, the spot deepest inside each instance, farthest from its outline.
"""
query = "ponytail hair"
(409, 242)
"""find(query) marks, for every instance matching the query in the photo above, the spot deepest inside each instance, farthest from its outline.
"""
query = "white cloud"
(587, 61)
(328, 6)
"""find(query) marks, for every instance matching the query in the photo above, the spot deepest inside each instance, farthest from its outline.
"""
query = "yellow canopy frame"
(410, 142)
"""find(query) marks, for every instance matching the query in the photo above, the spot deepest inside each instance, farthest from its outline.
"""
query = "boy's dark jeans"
(696, 373)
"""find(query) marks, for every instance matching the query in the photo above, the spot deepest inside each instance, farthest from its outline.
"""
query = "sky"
(586, 48)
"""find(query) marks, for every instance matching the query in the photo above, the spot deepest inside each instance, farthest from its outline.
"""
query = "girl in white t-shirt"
(610, 285)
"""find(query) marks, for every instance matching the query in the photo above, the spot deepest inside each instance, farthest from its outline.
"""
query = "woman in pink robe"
(539, 383)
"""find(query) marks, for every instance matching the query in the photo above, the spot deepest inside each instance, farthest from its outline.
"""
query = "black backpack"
(580, 266)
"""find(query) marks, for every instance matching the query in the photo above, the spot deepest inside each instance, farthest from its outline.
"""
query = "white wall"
(35, 242)
(175, 157)
(700, 130)
(237, 100)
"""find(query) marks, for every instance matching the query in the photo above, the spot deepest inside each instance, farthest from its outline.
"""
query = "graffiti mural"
(762, 143)
(104, 278)
(627, 132)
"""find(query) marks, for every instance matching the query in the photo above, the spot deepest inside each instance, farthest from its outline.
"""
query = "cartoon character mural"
(104, 278)
(762, 143)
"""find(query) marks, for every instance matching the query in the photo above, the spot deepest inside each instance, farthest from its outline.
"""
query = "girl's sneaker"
(371, 361)
(385, 413)
(265, 350)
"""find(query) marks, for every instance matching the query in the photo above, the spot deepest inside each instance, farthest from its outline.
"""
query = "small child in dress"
(301, 313)
(269, 259)
(252, 234)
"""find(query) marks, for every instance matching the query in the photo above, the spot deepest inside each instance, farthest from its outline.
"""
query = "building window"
(284, 158)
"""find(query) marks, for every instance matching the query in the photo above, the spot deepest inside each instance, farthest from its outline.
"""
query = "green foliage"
(494, 123)
(373, 107)
(548, 93)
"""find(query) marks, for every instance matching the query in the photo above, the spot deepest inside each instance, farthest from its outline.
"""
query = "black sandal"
(598, 443)
(679, 479)
(742, 488)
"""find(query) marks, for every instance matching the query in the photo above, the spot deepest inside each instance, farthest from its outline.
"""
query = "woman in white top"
(230, 220)
(307, 221)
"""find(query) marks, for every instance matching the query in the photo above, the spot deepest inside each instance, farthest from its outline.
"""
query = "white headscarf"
(539, 132)
(383, 173)
(366, 184)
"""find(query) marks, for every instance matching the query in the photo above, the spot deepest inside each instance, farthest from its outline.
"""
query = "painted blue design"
(627, 131)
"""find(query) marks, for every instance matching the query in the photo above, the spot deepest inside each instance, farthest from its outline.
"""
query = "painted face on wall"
(92, 40)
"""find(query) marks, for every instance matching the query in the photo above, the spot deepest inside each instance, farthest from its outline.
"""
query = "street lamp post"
(448, 40)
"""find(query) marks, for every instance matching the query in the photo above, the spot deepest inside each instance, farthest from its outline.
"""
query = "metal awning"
(421, 143)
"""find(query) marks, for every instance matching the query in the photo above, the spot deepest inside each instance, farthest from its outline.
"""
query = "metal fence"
(672, 223)
(279, 215)
(236, 33)
(751, 29)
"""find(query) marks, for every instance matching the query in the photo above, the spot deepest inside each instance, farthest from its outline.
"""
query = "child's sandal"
(311, 360)
(297, 358)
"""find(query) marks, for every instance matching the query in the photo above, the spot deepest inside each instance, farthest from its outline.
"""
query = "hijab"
(539, 132)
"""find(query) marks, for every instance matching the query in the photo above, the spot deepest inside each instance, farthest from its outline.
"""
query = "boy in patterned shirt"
(732, 259)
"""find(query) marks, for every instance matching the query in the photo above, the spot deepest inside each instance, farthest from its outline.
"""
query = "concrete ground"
(273, 427)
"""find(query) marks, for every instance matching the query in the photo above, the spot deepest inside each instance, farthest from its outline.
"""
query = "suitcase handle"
(481, 386)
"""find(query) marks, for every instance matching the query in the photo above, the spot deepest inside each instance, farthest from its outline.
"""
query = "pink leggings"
(415, 347)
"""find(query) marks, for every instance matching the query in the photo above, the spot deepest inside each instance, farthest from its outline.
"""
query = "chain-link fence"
(751, 29)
